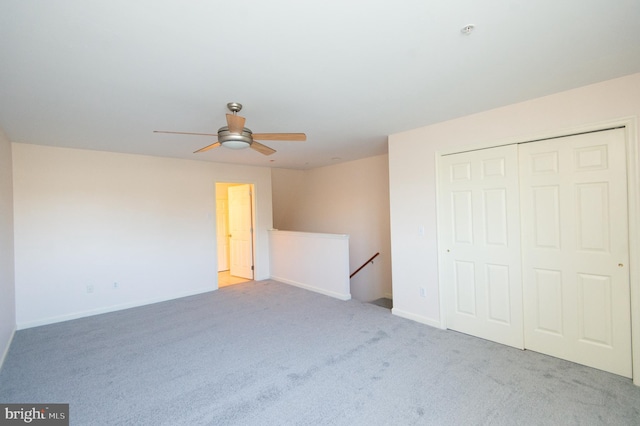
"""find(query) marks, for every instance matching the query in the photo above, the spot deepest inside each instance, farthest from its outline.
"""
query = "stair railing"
(364, 264)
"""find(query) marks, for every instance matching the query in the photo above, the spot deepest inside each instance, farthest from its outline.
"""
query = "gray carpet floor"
(265, 353)
(383, 302)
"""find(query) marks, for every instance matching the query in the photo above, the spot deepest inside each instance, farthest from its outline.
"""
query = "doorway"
(234, 230)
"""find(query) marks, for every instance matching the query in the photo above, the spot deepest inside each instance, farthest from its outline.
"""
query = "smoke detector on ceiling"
(467, 29)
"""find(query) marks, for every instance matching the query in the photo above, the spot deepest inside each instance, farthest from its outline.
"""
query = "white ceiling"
(104, 74)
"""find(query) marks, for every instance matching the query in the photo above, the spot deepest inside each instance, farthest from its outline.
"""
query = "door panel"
(498, 293)
(481, 241)
(575, 249)
(595, 325)
(546, 216)
(462, 217)
(465, 286)
(593, 216)
(495, 213)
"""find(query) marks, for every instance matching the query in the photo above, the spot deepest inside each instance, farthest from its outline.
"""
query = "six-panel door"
(575, 249)
(563, 289)
(481, 233)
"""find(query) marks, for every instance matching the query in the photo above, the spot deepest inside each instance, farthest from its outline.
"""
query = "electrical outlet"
(115, 285)
(423, 292)
(89, 288)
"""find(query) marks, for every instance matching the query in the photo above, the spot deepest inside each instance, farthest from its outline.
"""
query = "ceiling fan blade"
(262, 149)
(186, 133)
(280, 136)
(235, 123)
(208, 147)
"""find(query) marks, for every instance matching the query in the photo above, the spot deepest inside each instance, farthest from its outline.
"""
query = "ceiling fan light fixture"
(235, 144)
(234, 140)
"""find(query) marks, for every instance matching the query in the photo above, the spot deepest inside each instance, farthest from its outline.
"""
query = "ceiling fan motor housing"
(235, 140)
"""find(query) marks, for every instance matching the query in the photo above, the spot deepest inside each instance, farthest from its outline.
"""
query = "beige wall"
(348, 198)
(412, 161)
(7, 282)
(288, 195)
(89, 218)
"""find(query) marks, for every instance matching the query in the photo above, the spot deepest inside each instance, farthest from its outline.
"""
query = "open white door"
(241, 231)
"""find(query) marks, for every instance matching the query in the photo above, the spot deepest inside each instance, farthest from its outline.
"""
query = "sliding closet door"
(575, 257)
(480, 240)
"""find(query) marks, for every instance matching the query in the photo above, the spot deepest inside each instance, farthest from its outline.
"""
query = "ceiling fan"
(235, 136)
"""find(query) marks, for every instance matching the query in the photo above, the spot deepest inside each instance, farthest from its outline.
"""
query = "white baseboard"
(105, 310)
(341, 296)
(418, 318)
(6, 349)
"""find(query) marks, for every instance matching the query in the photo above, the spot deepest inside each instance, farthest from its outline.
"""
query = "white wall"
(413, 177)
(347, 198)
(316, 262)
(89, 218)
(7, 282)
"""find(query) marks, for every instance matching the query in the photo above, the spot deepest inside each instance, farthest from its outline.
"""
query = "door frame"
(633, 195)
(253, 217)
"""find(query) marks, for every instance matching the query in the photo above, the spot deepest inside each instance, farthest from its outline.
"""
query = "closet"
(534, 247)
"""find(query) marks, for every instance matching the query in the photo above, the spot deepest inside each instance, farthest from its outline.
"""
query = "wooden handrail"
(364, 264)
